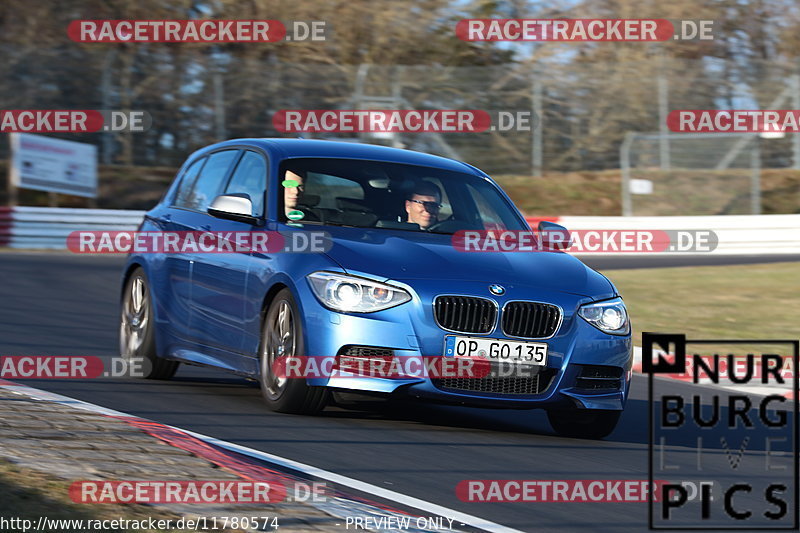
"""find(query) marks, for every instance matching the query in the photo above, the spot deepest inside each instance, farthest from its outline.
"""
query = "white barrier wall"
(737, 234)
(48, 227)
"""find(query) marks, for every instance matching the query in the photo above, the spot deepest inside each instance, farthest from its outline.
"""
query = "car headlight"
(609, 316)
(350, 294)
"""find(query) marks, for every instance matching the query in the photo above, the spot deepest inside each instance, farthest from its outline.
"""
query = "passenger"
(291, 195)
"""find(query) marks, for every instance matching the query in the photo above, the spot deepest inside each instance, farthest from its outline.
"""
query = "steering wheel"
(449, 225)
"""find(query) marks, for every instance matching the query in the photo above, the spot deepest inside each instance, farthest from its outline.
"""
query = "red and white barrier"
(737, 234)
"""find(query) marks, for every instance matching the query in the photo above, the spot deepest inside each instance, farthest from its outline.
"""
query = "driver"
(423, 204)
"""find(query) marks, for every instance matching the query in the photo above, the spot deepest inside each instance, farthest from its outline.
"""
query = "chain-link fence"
(583, 109)
(691, 174)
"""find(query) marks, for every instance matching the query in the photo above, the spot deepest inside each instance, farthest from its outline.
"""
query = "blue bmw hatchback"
(390, 284)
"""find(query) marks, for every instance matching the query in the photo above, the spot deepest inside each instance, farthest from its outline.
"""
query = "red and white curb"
(750, 389)
(229, 455)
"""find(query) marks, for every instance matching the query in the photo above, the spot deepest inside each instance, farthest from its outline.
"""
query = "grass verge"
(27, 494)
(733, 302)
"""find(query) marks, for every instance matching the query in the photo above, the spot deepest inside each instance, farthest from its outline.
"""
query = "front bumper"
(410, 330)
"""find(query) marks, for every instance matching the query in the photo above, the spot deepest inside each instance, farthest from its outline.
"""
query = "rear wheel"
(137, 330)
(282, 336)
(584, 423)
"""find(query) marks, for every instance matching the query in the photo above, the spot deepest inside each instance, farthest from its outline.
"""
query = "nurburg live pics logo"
(731, 457)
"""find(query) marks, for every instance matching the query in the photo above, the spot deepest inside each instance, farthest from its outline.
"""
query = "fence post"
(663, 105)
(536, 137)
(105, 88)
(755, 178)
(219, 106)
(11, 188)
(625, 167)
(796, 137)
(397, 95)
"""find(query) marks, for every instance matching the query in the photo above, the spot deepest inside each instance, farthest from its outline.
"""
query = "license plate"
(516, 352)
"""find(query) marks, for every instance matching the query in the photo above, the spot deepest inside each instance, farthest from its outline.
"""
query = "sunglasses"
(428, 205)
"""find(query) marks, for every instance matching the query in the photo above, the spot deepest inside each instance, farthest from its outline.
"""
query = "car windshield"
(374, 194)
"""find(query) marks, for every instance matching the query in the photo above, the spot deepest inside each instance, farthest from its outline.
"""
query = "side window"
(208, 184)
(250, 177)
(489, 214)
(187, 182)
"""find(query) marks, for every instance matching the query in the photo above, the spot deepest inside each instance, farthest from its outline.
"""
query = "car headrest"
(311, 200)
(354, 218)
(352, 204)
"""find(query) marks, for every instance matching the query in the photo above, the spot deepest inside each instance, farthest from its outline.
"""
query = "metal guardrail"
(48, 227)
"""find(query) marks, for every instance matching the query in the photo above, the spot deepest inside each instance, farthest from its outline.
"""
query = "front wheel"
(282, 336)
(137, 330)
(584, 423)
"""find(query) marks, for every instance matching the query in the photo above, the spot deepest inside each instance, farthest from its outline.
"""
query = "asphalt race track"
(57, 304)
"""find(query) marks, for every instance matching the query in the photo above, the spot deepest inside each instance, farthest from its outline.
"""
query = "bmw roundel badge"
(496, 289)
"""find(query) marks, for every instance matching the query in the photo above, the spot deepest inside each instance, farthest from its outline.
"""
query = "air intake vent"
(530, 319)
(518, 386)
(465, 314)
(597, 378)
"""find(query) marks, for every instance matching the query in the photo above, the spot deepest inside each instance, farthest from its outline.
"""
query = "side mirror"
(233, 207)
(554, 236)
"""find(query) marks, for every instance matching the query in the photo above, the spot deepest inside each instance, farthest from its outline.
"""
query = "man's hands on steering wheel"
(449, 225)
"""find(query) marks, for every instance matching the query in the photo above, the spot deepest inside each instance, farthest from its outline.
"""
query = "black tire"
(282, 335)
(583, 423)
(137, 329)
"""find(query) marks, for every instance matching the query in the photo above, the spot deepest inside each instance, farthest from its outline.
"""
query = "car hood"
(407, 255)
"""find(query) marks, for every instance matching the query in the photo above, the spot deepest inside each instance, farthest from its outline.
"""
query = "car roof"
(294, 148)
